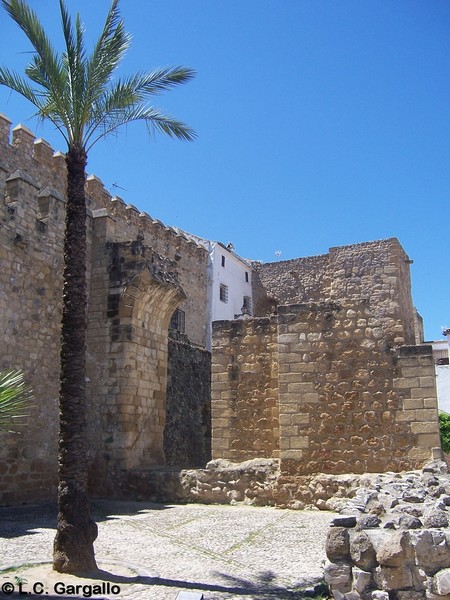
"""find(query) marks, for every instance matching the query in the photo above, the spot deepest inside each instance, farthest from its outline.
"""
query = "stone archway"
(138, 362)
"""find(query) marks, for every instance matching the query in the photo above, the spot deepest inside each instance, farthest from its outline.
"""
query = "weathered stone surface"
(379, 595)
(399, 578)
(413, 563)
(432, 550)
(435, 518)
(368, 522)
(406, 521)
(442, 582)
(411, 595)
(187, 434)
(337, 546)
(338, 577)
(344, 521)
(397, 550)
(362, 552)
(362, 580)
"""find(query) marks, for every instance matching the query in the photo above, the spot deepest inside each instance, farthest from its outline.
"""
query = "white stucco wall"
(441, 349)
(443, 387)
(232, 274)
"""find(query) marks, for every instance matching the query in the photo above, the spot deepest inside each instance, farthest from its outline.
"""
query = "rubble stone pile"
(391, 540)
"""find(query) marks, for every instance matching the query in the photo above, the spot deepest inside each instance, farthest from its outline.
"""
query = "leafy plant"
(15, 398)
(444, 428)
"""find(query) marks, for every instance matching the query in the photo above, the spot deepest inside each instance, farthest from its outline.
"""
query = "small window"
(223, 260)
(223, 292)
(247, 306)
(246, 276)
(178, 321)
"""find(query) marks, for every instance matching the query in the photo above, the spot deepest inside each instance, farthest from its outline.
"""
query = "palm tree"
(15, 399)
(77, 93)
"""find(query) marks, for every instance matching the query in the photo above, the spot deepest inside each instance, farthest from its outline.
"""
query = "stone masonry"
(349, 391)
(139, 272)
(327, 377)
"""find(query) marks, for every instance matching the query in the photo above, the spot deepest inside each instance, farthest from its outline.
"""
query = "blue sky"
(320, 123)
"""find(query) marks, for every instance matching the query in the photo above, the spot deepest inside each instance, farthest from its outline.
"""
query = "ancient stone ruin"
(334, 381)
(391, 539)
(327, 377)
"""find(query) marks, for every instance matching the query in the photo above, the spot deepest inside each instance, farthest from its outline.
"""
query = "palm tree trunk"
(73, 550)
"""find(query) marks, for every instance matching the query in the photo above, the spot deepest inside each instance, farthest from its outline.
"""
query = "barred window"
(247, 305)
(223, 292)
(177, 322)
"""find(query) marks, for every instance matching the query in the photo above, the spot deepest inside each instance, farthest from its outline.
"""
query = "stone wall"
(187, 434)
(245, 389)
(376, 273)
(139, 272)
(346, 398)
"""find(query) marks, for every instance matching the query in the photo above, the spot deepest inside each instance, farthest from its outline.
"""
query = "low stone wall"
(392, 539)
(257, 482)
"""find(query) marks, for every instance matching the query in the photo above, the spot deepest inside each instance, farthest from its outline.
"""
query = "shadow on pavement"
(16, 521)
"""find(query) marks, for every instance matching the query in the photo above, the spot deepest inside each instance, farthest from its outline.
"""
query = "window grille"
(223, 292)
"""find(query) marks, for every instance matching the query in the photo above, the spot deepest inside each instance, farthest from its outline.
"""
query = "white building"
(229, 284)
(441, 353)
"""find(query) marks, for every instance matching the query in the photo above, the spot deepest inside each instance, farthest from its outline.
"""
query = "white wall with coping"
(441, 347)
(232, 275)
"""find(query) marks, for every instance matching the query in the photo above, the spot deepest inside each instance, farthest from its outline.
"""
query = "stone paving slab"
(153, 551)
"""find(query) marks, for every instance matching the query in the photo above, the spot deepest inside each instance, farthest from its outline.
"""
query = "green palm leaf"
(15, 399)
(75, 90)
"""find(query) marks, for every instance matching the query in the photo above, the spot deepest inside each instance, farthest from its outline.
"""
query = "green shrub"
(444, 427)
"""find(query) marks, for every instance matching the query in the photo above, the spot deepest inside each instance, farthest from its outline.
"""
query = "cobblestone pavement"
(161, 552)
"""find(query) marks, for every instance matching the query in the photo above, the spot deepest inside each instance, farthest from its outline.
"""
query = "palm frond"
(15, 398)
(28, 21)
(45, 68)
(155, 120)
(76, 91)
(160, 80)
(18, 84)
(110, 49)
(46, 109)
(73, 60)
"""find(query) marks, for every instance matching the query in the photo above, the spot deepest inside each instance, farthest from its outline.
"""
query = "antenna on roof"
(116, 186)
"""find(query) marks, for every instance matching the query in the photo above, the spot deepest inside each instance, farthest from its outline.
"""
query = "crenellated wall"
(326, 377)
(139, 272)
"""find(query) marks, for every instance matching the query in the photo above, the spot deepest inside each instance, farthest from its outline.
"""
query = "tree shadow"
(17, 521)
(263, 587)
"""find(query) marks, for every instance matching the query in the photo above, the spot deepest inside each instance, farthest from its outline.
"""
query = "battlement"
(23, 157)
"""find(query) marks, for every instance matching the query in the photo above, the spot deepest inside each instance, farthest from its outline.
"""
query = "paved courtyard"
(164, 552)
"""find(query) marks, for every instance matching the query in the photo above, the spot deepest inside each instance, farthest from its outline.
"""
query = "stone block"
(297, 443)
(428, 381)
(362, 552)
(338, 577)
(399, 578)
(291, 454)
(424, 427)
(397, 550)
(441, 582)
(432, 551)
(412, 403)
(337, 545)
(379, 595)
(362, 581)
